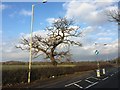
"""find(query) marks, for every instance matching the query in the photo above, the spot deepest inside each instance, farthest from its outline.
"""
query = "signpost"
(96, 52)
(98, 70)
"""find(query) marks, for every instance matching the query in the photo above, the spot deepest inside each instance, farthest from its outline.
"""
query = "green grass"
(12, 67)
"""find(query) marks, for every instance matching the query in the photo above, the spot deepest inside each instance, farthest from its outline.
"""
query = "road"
(110, 80)
(113, 81)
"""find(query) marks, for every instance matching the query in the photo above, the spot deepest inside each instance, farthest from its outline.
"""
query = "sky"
(90, 16)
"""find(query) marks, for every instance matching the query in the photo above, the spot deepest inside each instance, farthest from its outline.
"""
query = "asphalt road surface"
(110, 80)
(113, 81)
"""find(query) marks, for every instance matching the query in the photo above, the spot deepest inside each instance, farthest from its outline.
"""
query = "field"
(13, 74)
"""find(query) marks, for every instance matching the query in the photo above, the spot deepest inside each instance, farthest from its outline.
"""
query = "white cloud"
(106, 34)
(87, 52)
(2, 6)
(87, 30)
(79, 53)
(25, 12)
(41, 33)
(50, 20)
(17, 55)
(9, 52)
(104, 39)
(109, 1)
(92, 13)
(13, 14)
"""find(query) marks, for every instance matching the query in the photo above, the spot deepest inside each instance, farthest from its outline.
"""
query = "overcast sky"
(90, 16)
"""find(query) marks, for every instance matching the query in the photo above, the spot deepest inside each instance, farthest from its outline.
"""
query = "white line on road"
(89, 81)
(105, 78)
(95, 78)
(72, 83)
(89, 77)
(78, 81)
(111, 74)
(91, 85)
(78, 85)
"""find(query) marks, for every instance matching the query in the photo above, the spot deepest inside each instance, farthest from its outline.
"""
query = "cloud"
(92, 13)
(106, 34)
(104, 39)
(13, 14)
(25, 12)
(3, 7)
(79, 53)
(87, 52)
(21, 12)
(50, 20)
(9, 52)
(41, 33)
(17, 55)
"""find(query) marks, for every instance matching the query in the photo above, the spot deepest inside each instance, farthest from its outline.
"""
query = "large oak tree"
(59, 33)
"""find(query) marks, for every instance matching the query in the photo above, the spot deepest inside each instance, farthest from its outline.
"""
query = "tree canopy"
(58, 33)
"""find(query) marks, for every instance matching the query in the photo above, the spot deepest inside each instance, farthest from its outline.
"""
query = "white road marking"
(78, 81)
(72, 83)
(89, 77)
(95, 78)
(105, 78)
(91, 85)
(89, 81)
(111, 74)
(78, 85)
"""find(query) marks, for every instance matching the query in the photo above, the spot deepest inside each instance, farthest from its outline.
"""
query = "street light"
(98, 64)
(31, 31)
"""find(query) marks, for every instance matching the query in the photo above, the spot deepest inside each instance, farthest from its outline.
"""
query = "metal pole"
(30, 58)
(98, 66)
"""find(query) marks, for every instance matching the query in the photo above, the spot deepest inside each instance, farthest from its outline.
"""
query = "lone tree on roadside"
(59, 33)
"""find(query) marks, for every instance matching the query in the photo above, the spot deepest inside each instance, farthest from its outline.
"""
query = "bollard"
(103, 71)
(98, 73)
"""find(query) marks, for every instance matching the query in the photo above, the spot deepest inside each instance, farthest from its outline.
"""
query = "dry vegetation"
(16, 74)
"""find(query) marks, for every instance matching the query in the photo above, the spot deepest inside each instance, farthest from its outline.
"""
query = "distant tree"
(59, 33)
(114, 16)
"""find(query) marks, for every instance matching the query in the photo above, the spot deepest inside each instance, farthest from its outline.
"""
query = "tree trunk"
(53, 60)
(52, 57)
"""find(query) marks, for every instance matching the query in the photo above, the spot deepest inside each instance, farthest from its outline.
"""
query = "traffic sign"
(96, 52)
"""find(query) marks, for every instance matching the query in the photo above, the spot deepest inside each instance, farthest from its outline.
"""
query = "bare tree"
(114, 16)
(59, 33)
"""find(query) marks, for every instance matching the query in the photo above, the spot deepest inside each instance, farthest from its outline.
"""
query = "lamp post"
(31, 34)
